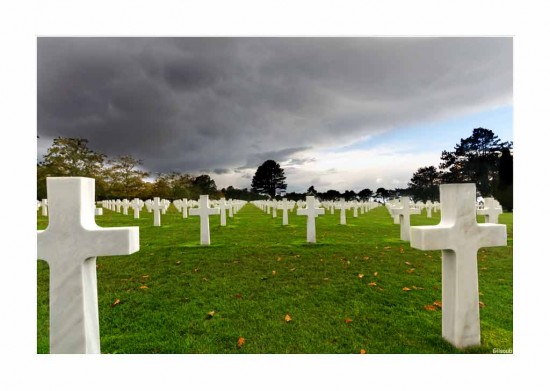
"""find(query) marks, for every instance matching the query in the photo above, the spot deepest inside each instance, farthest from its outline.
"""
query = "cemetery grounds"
(261, 288)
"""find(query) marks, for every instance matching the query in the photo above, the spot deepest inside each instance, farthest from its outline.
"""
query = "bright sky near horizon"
(336, 113)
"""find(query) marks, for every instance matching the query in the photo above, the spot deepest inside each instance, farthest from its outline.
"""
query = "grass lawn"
(343, 294)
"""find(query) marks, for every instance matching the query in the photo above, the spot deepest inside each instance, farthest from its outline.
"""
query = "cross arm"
(431, 238)
(114, 241)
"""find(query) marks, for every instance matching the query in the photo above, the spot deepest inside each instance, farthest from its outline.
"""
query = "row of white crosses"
(72, 242)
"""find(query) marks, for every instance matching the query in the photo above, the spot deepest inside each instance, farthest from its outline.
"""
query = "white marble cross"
(203, 211)
(156, 207)
(404, 212)
(70, 245)
(274, 208)
(125, 205)
(285, 206)
(459, 236)
(136, 205)
(44, 205)
(490, 210)
(223, 207)
(342, 208)
(429, 207)
(118, 204)
(355, 206)
(184, 205)
(311, 212)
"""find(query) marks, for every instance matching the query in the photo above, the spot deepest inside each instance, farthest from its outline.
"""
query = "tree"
(72, 157)
(475, 159)
(424, 184)
(365, 194)
(311, 191)
(269, 177)
(69, 157)
(123, 179)
(503, 188)
(382, 193)
(332, 195)
(349, 195)
(204, 185)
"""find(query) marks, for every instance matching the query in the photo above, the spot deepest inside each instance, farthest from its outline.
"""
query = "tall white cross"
(231, 207)
(311, 212)
(459, 236)
(490, 210)
(203, 211)
(342, 208)
(125, 205)
(285, 206)
(118, 204)
(184, 206)
(274, 208)
(404, 212)
(44, 205)
(156, 207)
(223, 207)
(70, 245)
(136, 205)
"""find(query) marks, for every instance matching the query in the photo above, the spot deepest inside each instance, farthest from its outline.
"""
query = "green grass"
(316, 284)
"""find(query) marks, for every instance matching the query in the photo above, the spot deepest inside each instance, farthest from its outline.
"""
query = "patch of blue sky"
(439, 135)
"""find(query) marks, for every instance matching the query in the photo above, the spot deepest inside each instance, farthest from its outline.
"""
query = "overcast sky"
(340, 113)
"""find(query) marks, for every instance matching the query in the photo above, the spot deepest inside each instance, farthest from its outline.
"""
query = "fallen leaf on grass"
(238, 296)
(408, 263)
(210, 315)
(326, 279)
(406, 288)
(418, 288)
(387, 247)
(293, 269)
(372, 283)
(117, 301)
(196, 269)
(348, 320)
(288, 318)
(410, 270)
(438, 304)
(178, 262)
(144, 287)
(205, 279)
(481, 304)
(366, 258)
(360, 275)
(429, 307)
(401, 250)
(279, 259)
(375, 274)
(146, 276)
(362, 351)
(274, 272)
(240, 342)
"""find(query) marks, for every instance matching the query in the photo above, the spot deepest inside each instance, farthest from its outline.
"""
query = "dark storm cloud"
(215, 104)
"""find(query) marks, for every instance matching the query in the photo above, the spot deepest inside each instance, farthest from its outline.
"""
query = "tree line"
(121, 177)
(481, 158)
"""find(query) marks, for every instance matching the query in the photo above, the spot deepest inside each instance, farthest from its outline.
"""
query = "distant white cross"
(223, 207)
(184, 206)
(404, 212)
(311, 212)
(70, 245)
(459, 236)
(156, 207)
(44, 205)
(342, 208)
(490, 210)
(285, 206)
(136, 205)
(274, 208)
(125, 206)
(203, 211)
